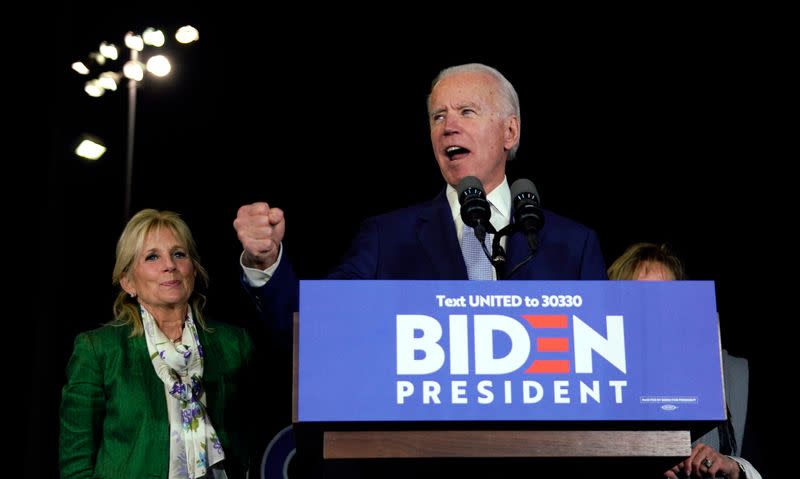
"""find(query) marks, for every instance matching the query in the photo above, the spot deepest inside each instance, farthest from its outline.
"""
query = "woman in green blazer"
(159, 391)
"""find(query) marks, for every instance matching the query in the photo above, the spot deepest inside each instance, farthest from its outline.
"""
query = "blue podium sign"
(508, 351)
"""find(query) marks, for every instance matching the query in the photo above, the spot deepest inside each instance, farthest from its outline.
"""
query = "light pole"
(129, 138)
(133, 70)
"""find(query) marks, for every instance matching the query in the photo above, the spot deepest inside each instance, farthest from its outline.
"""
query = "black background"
(647, 133)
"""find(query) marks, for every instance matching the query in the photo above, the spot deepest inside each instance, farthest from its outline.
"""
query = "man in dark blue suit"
(475, 125)
(474, 119)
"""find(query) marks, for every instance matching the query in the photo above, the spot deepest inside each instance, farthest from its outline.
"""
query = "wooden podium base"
(511, 444)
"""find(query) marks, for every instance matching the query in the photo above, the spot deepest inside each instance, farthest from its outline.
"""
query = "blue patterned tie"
(478, 265)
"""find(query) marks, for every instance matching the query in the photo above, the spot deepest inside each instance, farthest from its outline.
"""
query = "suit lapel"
(517, 250)
(142, 366)
(437, 236)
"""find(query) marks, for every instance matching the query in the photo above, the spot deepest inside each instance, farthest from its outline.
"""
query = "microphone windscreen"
(524, 185)
(466, 183)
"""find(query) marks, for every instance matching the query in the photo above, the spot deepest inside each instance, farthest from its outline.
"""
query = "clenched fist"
(260, 230)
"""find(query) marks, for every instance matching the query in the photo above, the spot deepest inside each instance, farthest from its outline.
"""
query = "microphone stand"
(498, 256)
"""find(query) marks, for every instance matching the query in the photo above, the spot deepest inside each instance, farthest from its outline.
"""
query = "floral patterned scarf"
(180, 367)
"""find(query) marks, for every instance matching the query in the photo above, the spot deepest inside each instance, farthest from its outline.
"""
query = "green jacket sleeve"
(82, 410)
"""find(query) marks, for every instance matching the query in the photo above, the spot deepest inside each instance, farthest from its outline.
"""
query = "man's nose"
(451, 124)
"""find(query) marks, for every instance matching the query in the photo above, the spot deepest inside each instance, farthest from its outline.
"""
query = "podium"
(355, 440)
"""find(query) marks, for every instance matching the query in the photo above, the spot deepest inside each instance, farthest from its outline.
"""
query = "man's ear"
(511, 132)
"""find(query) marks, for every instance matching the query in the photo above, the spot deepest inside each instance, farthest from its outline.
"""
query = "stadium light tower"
(134, 70)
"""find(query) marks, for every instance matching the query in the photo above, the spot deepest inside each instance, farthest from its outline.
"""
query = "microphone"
(528, 216)
(475, 209)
